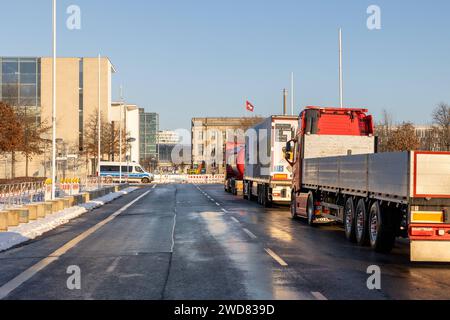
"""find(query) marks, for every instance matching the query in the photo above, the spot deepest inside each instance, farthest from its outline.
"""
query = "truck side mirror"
(289, 152)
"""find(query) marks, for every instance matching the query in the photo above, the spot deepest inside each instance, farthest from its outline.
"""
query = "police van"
(131, 171)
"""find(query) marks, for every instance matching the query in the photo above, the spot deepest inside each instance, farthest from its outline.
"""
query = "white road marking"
(154, 186)
(276, 258)
(217, 204)
(173, 231)
(113, 266)
(235, 220)
(13, 284)
(250, 234)
(224, 210)
(319, 296)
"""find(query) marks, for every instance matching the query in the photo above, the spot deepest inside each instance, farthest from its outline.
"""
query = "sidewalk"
(25, 232)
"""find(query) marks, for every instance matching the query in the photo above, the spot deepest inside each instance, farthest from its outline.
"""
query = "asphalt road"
(197, 242)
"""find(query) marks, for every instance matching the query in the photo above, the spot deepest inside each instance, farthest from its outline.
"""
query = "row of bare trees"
(405, 136)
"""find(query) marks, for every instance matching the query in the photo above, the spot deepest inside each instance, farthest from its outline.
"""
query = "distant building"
(167, 141)
(148, 139)
(130, 119)
(209, 137)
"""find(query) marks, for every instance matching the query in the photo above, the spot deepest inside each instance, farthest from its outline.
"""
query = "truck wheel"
(310, 209)
(381, 235)
(293, 206)
(349, 220)
(361, 223)
(266, 202)
(245, 191)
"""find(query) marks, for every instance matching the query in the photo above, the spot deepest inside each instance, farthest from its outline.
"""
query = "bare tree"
(11, 133)
(441, 120)
(384, 130)
(403, 138)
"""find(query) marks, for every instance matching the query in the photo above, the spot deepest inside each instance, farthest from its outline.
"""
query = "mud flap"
(430, 251)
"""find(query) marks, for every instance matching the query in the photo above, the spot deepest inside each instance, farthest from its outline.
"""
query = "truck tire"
(310, 209)
(381, 232)
(265, 196)
(294, 206)
(349, 220)
(362, 223)
(245, 191)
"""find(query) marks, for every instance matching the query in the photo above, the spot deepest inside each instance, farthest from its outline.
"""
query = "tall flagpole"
(99, 124)
(341, 80)
(54, 106)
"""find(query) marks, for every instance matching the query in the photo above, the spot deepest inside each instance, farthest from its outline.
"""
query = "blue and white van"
(131, 171)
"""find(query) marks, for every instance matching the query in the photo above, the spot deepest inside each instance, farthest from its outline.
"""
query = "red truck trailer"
(235, 164)
(339, 177)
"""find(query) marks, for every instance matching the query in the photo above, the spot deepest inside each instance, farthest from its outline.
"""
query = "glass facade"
(148, 136)
(20, 83)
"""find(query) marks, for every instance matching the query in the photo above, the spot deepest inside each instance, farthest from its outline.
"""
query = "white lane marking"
(250, 234)
(277, 258)
(173, 231)
(319, 296)
(154, 186)
(217, 204)
(235, 220)
(113, 265)
(224, 210)
(13, 284)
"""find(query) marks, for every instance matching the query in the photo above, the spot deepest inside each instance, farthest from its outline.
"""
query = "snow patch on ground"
(32, 230)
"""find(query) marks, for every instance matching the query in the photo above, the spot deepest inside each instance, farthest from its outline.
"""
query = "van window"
(139, 169)
(127, 169)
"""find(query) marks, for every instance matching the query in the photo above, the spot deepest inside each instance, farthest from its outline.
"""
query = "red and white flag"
(249, 106)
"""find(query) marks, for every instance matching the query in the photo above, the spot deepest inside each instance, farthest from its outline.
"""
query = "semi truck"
(235, 154)
(338, 176)
(268, 176)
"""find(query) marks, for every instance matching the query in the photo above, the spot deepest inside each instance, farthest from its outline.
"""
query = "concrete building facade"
(27, 83)
(209, 137)
(128, 114)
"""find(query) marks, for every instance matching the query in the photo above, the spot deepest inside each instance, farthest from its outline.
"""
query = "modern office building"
(26, 82)
(148, 139)
(209, 137)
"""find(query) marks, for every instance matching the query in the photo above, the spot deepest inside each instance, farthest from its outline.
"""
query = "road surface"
(198, 242)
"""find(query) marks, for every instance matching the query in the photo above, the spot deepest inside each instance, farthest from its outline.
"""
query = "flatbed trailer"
(376, 196)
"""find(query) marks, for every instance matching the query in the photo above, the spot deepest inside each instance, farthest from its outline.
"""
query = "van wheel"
(349, 220)
(381, 233)
(361, 224)
(145, 180)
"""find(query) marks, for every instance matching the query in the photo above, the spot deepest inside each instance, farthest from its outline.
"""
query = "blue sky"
(204, 57)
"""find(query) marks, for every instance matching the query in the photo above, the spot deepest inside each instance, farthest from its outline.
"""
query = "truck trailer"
(268, 176)
(339, 177)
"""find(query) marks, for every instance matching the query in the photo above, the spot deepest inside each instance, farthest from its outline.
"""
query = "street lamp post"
(129, 158)
(54, 106)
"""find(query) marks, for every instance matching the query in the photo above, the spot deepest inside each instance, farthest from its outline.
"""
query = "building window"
(20, 84)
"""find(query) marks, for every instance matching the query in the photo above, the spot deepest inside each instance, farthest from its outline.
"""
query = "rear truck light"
(428, 217)
(430, 232)
(277, 194)
(280, 177)
(416, 231)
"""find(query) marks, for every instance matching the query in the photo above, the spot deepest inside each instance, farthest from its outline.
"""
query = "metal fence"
(12, 195)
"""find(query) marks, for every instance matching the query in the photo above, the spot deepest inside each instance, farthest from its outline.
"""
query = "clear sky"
(188, 58)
